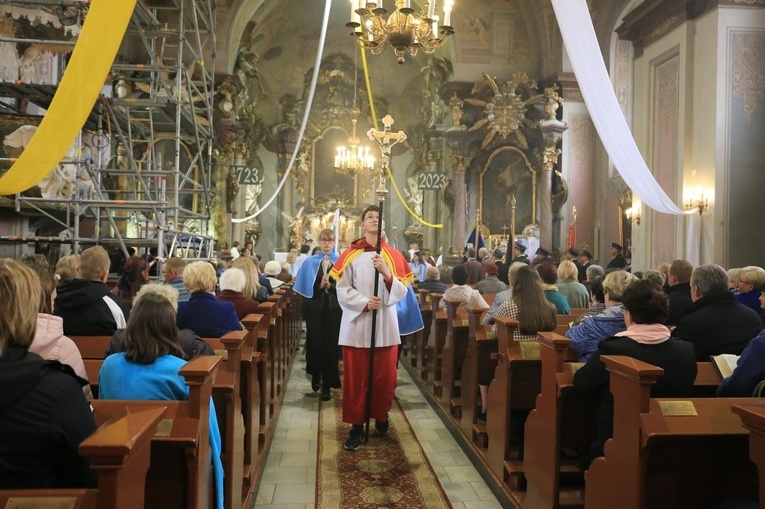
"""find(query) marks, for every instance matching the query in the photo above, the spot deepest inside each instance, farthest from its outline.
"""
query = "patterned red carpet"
(386, 472)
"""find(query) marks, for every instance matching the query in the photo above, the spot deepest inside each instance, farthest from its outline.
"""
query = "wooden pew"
(514, 388)
(561, 419)
(92, 349)
(419, 358)
(119, 451)
(662, 459)
(228, 408)
(452, 353)
(469, 393)
(180, 472)
(253, 365)
(753, 419)
(436, 341)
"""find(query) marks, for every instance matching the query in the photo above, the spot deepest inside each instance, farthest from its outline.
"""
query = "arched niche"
(507, 174)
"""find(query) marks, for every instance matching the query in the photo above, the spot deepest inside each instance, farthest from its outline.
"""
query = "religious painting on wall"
(326, 181)
(507, 175)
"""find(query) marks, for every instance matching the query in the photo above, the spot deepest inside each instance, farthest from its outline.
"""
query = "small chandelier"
(356, 159)
(403, 30)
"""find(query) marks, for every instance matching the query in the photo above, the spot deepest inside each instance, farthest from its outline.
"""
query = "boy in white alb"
(355, 275)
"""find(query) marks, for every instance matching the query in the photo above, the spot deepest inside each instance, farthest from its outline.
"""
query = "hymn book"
(725, 363)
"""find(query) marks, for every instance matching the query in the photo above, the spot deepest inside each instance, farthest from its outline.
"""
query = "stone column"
(459, 165)
(552, 130)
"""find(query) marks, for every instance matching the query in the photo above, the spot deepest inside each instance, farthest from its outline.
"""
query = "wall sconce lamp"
(633, 215)
(701, 203)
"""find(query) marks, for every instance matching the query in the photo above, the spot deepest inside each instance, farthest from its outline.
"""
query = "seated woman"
(147, 367)
(597, 300)
(191, 344)
(569, 285)
(586, 336)
(45, 415)
(135, 276)
(549, 275)
(534, 313)
(202, 313)
(461, 291)
(750, 280)
(253, 289)
(272, 271)
(750, 369)
(50, 342)
(646, 307)
(232, 283)
(68, 268)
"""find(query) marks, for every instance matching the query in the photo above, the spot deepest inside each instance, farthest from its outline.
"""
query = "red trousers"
(356, 378)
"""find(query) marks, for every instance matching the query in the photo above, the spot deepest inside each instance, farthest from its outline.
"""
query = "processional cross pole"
(386, 139)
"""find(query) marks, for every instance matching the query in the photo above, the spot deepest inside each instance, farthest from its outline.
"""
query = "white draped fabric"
(590, 70)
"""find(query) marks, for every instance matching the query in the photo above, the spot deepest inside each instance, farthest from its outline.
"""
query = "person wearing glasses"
(750, 280)
(322, 315)
(355, 272)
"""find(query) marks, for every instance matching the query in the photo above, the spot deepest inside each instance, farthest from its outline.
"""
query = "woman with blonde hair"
(568, 285)
(750, 280)
(203, 314)
(68, 268)
(45, 414)
(592, 330)
(252, 287)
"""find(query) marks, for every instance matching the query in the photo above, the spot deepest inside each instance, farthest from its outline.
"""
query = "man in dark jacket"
(432, 281)
(474, 268)
(679, 292)
(519, 253)
(86, 305)
(716, 322)
(618, 261)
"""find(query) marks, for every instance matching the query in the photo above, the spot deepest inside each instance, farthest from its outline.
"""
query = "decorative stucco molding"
(748, 73)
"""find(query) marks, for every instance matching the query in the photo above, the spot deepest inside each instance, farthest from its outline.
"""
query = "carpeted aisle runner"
(386, 472)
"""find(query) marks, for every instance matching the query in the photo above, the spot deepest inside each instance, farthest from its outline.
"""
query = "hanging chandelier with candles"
(403, 30)
(354, 160)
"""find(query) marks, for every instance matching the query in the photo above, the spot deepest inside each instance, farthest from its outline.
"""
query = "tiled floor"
(289, 478)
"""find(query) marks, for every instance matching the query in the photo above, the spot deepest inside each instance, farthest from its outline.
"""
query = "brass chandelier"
(403, 30)
(354, 160)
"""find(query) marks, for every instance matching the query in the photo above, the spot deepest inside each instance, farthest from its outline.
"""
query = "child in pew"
(191, 344)
(147, 367)
(50, 342)
(534, 313)
(646, 307)
(44, 413)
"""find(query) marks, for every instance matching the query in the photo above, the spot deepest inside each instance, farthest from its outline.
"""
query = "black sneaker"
(382, 427)
(355, 438)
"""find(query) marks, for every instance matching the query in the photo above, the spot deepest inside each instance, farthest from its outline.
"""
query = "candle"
(431, 8)
(355, 18)
(448, 15)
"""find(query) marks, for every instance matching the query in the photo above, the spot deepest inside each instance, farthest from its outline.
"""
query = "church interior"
(178, 127)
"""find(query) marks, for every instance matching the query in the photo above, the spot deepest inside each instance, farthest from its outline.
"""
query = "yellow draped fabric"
(80, 86)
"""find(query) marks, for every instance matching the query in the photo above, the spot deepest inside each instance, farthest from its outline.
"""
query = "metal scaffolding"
(153, 187)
